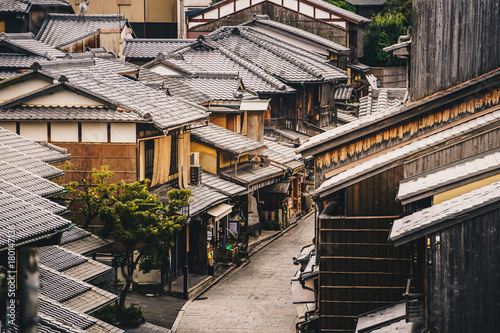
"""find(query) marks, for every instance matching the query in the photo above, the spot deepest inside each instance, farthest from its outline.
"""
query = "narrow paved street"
(256, 298)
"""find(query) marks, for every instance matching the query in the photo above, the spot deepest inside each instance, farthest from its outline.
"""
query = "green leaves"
(383, 31)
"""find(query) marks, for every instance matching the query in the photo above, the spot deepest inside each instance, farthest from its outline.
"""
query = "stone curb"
(264, 244)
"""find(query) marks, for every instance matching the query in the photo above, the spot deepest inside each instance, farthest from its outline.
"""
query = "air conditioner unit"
(195, 175)
(194, 159)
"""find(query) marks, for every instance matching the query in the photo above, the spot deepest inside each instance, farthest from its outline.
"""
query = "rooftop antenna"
(83, 9)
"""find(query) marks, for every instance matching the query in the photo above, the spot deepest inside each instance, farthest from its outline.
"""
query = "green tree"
(342, 4)
(142, 227)
(383, 31)
(90, 194)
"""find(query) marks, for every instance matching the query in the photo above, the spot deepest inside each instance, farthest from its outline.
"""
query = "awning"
(220, 211)
(278, 188)
(254, 105)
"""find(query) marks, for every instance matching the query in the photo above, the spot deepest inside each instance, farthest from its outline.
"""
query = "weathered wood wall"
(404, 131)
(121, 159)
(449, 152)
(463, 276)
(390, 77)
(280, 14)
(360, 270)
(452, 41)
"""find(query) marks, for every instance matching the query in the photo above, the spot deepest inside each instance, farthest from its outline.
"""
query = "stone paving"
(257, 297)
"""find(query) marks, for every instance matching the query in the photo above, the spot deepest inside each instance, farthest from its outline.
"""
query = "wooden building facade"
(357, 177)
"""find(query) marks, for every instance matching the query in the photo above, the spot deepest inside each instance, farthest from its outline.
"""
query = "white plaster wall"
(64, 132)
(240, 4)
(321, 14)
(22, 88)
(10, 126)
(307, 10)
(213, 13)
(164, 70)
(226, 10)
(291, 4)
(64, 98)
(123, 133)
(33, 131)
(278, 2)
(94, 132)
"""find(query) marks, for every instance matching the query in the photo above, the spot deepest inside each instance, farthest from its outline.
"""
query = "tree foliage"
(142, 227)
(384, 30)
(342, 4)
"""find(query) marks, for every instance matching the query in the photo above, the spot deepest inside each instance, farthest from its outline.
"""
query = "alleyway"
(256, 298)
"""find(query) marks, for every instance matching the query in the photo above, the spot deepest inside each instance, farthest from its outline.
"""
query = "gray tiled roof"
(217, 87)
(63, 3)
(25, 43)
(164, 111)
(215, 58)
(28, 181)
(298, 33)
(226, 140)
(449, 174)
(77, 295)
(200, 200)
(62, 29)
(149, 48)
(337, 181)
(431, 217)
(379, 100)
(76, 113)
(72, 263)
(51, 309)
(366, 2)
(31, 198)
(380, 317)
(344, 91)
(175, 86)
(281, 59)
(345, 117)
(58, 258)
(280, 152)
(46, 152)
(343, 12)
(221, 185)
(8, 74)
(28, 163)
(286, 135)
(82, 242)
(30, 221)
(59, 287)
(16, 6)
(48, 307)
(349, 128)
(245, 174)
(18, 61)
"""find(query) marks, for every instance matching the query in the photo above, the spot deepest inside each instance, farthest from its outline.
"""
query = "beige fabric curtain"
(187, 152)
(184, 149)
(161, 167)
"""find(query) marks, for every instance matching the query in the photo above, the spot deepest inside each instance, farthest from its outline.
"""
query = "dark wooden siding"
(463, 276)
(452, 41)
(280, 14)
(451, 152)
(375, 196)
(360, 270)
(404, 131)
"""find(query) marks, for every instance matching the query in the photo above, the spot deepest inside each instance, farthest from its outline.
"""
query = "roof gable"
(59, 30)
(273, 56)
(312, 8)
